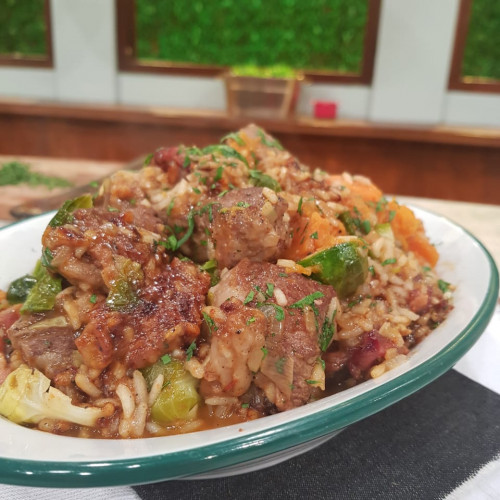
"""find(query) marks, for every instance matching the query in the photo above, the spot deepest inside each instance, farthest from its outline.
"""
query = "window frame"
(34, 61)
(456, 80)
(127, 61)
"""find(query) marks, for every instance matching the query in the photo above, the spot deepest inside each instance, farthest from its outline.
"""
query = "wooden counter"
(454, 163)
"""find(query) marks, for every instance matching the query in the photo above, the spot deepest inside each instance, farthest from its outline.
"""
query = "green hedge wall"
(22, 27)
(482, 52)
(303, 34)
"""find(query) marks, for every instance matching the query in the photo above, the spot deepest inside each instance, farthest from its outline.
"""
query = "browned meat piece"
(45, 341)
(236, 342)
(300, 318)
(250, 223)
(165, 315)
(83, 249)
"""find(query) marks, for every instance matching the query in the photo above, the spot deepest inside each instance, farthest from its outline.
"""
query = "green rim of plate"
(256, 445)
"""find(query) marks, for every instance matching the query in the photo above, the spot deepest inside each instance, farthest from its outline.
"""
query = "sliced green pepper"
(178, 397)
(344, 266)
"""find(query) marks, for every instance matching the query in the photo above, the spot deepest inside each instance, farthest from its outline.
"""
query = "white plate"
(30, 457)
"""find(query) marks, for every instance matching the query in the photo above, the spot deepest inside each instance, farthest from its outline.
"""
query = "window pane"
(482, 51)
(303, 34)
(22, 27)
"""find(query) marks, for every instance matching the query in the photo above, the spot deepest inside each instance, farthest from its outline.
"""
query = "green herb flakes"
(190, 350)
(166, 359)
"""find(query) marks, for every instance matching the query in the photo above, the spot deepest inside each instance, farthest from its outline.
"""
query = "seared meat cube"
(45, 341)
(300, 325)
(163, 315)
(250, 223)
(82, 250)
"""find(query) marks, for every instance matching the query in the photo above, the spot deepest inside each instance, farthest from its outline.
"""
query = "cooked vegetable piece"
(385, 230)
(65, 214)
(179, 396)
(26, 398)
(122, 293)
(19, 289)
(344, 266)
(42, 296)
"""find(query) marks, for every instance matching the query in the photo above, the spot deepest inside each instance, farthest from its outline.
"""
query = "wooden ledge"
(207, 119)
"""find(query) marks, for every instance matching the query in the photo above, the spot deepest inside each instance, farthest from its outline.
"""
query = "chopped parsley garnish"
(389, 261)
(444, 286)
(196, 190)
(210, 322)
(166, 359)
(218, 174)
(323, 364)
(186, 162)
(94, 184)
(299, 208)
(112, 209)
(308, 300)
(271, 143)
(93, 298)
(235, 137)
(380, 204)
(242, 204)
(14, 173)
(366, 226)
(265, 352)
(224, 150)
(312, 382)
(147, 160)
(209, 265)
(251, 320)
(245, 405)
(392, 214)
(259, 179)
(327, 332)
(190, 350)
(279, 312)
(371, 269)
(314, 235)
(355, 302)
(249, 297)
(426, 269)
(269, 290)
(280, 364)
(170, 206)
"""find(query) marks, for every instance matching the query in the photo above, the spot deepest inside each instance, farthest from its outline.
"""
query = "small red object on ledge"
(325, 109)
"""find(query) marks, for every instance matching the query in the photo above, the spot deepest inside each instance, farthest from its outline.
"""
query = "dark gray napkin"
(420, 448)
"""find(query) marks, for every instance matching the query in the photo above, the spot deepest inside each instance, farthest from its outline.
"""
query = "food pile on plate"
(213, 286)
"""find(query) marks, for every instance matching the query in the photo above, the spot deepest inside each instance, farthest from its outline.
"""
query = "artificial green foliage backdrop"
(303, 34)
(482, 53)
(22, 27)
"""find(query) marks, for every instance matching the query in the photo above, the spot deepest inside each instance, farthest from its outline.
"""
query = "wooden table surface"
(79, 172)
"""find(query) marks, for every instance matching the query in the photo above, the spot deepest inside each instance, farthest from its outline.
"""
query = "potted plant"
(262, 92)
